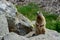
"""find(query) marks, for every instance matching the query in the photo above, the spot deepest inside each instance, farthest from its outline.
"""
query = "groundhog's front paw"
(43, 31)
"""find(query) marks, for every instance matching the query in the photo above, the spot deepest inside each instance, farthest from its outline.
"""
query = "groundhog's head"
(40, 18)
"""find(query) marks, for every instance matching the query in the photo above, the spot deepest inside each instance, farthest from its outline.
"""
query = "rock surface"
(23, 24)
(50, 35)
(13, 17)
(1, 37)
(13, 36)
(3, 25)
(9, 10)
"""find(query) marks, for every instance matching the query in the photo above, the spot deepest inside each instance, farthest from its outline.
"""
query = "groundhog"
(40, 24)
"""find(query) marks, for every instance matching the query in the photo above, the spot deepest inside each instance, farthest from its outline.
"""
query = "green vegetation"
(30, 12)
(58, 26)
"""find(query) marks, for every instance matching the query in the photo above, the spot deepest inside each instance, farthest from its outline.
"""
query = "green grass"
(30, 12)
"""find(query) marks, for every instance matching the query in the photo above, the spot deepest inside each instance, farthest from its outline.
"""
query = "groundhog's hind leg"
(43, 31)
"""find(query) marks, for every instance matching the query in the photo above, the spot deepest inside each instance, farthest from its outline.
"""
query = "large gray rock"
(8, 9)
(3, 25)
(23, 24)
(24, 20)
(10, 12)
(50, 35)
(13, 36)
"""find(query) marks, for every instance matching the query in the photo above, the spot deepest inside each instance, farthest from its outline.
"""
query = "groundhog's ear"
(39, 13)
